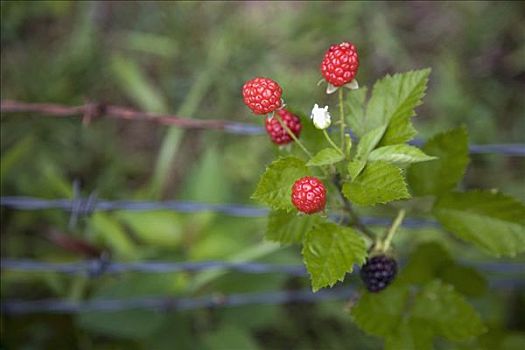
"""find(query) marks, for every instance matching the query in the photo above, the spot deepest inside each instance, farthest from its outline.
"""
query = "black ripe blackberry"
(378, 272)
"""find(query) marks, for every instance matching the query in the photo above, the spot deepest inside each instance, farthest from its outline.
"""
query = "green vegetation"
(191, 58)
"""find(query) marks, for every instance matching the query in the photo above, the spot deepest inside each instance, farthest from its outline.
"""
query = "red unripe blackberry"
(340, 64)
(262, 95)
(378, 272)
(277, 133)
(309, 195)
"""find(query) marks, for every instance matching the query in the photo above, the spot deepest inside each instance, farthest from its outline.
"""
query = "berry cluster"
(378, 272)
(277, 133)
(264, 95)
(309, 195)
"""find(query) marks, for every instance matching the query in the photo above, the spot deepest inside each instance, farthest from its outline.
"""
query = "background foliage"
(191, 59)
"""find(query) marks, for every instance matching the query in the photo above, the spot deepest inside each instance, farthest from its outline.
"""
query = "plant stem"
(292, 135)
(356, 221)
(331, 141)
(392, 230)
(342, 117)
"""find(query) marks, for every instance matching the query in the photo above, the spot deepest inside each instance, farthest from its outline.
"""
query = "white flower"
(321, 117)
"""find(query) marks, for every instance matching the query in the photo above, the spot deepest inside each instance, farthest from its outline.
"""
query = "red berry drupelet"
(340, 64)
(277, 133)
(309, 195)
(262, 95)
(378, 272)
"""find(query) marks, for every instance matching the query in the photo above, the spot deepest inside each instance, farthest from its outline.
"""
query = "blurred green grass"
(191, 58)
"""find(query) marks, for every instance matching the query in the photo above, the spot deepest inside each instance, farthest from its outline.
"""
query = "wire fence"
(78, 207)
(86, 206)
(99, 267)
(93, 110)
(96, 268)
(168, 303)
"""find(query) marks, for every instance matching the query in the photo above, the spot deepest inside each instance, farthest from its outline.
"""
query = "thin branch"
(292, 135)
(356, 220)
(332, 143)
(392, 230)
(342, 117)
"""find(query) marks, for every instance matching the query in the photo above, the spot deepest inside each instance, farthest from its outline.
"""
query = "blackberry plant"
(363, 158)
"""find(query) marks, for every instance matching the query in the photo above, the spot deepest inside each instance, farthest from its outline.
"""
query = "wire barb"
(96, 268)
(80, 207)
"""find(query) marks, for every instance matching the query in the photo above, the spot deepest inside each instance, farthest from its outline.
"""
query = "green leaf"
(330, 251)
(160, 228)
(440, 307)
(381, 313)
(392, 104)
(161, 45)
(355, 106)
(424, 263)
(250, 253)
(409, 335)
(14, 155)
(275, 186)
(136, 84)
(430, 261)
(287, 227)
(380, 182)
(326, 156)
(108, 231)
(176, 328)
(400, 130)
(491, 221)
(466, 280)
(230, 337)
(366, 144)
(409, 318)
(443, 174)
(499, 339)
(200, 186)
(401, 154)
(355, 167)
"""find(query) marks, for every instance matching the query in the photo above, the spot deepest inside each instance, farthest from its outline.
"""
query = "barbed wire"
(94, 110)
(170, 303)
(79, 206)
(86, 206)
(99, 267)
